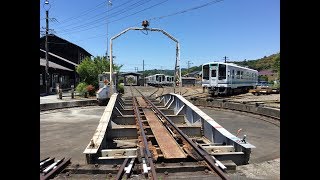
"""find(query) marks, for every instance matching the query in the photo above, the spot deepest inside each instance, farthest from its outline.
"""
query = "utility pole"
(143, 65)
(189, 65)
(109, 4)
(47, 77)
(225, 59)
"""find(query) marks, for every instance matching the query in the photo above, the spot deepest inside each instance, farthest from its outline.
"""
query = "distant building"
(266, 73)
(134, 77)
(188, 81)
(195, 74)
(63, 58)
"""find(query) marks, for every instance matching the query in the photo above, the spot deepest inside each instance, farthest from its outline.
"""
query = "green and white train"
(228, 78)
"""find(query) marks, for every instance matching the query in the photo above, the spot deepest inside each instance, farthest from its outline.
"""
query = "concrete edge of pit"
(61, 105)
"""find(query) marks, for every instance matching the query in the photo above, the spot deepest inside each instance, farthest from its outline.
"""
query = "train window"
(205, 72)
(233, 74)
(241, 74)
(222, 71)
(238, 74)
(213, 73)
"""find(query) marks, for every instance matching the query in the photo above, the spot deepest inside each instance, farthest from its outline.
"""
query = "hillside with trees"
(269, 63)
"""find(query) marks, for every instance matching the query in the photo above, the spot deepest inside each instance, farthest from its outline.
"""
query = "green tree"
(276, 65)
(89, 69)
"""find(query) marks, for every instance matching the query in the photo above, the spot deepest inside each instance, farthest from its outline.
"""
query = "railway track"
(50, 168)
(162, 144)
(156, 91)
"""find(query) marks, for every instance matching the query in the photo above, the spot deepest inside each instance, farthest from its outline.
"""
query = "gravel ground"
(271, 100)
(264, 170)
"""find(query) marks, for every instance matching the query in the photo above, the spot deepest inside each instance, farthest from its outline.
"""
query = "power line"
(99, 19)
(120, 18)
(102, 12)
(186, 10)
(83, 13)
(154, 18)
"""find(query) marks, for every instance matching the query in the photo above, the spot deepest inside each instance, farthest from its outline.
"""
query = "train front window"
(213, 68)
(213, 73)
(205, 72)
(222, 71)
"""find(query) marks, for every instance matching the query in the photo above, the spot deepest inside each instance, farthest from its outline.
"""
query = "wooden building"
(63, 58)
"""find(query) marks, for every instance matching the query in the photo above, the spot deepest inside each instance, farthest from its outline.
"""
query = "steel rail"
(154, 92)
(147, 154)
(121, 170)
(205, 155)
(45, 163)
(58, 168)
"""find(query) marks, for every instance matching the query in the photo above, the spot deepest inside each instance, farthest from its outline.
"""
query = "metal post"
(178, 66)
(143, 72)
(47, 61)
(111, 58)
(72, 91)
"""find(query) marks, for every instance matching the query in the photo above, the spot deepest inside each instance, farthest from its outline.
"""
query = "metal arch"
(177, 70)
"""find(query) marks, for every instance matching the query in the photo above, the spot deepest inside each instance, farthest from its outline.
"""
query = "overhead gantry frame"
(177, 70)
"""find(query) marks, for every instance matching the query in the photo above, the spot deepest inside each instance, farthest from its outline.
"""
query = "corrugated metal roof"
(57, 37)
(59, 57)
(53, 65)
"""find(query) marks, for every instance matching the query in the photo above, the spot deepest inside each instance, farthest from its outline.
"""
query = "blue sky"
(238, 29)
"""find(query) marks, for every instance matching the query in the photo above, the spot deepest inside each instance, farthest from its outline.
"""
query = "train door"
(213, 80)
(205, 74)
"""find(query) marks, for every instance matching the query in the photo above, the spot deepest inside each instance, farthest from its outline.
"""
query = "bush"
(120, 89)
(276, 86)
(81, 88)
(91, 90)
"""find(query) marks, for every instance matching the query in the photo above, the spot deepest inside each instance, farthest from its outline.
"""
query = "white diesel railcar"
(156, 80)
(227, 78)
(169, 80)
